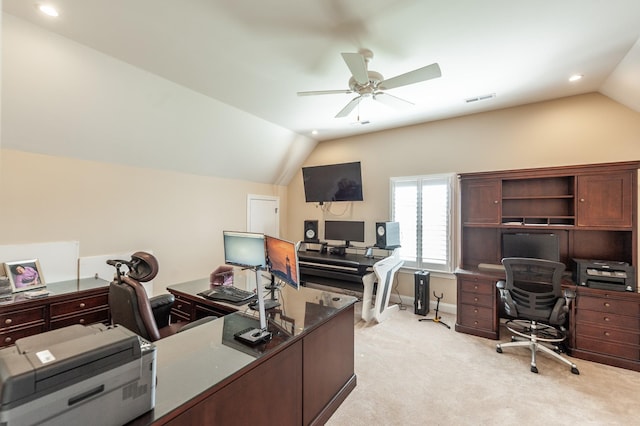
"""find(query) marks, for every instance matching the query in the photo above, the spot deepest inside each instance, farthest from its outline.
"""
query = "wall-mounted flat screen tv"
(333, 182)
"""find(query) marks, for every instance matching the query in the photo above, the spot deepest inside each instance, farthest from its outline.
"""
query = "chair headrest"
(144, 266)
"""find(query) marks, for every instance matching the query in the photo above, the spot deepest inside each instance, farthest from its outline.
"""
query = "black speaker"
(421, 295)
(387, 235)
(311, 231)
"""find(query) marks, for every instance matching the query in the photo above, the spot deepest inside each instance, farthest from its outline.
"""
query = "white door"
(263, 214)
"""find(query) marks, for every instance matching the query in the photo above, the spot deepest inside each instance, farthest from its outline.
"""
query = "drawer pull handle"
(606, 333)
(475, 299)
(7, 339)
(8, 321)
(607, 319)
(475, 323)
(475, 287)
(475, 311)
(179, 306)
(82, 305)
(81, 321)
(607, 304)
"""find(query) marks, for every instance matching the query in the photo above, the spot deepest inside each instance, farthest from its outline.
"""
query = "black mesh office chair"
(534, 301)
(130, 306)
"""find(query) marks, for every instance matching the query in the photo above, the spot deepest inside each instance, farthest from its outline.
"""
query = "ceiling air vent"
(480, 98)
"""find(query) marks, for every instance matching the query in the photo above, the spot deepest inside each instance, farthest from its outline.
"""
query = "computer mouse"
(256, 334)
(335, 299)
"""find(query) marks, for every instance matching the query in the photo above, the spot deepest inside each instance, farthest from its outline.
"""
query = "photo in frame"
(24, 275)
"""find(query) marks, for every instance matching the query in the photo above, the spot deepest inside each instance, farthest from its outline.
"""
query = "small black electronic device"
(333, 182)
(253, 336)
(604, 274)
(421, 293)
(387, 235)
(311, 231)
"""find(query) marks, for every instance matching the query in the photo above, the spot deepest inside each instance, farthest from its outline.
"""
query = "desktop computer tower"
(421, 293)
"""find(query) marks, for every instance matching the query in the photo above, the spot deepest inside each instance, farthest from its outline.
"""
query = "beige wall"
(114, 209)
(576, 130)
(111, 208)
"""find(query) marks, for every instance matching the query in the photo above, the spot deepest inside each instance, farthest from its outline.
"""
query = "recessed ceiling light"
(48, 10)
(575, 77)
(314, 132)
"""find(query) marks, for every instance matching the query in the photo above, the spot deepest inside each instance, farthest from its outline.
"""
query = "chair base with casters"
(537, 307)
(537, 337)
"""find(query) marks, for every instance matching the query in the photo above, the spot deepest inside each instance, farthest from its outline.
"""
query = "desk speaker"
(311, 231)
(421, 293)
(387, 235)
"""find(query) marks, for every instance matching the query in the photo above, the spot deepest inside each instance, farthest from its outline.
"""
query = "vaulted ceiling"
(255, 56)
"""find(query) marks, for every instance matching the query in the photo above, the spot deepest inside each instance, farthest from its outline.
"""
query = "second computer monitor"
(344, 230)
(282, 260)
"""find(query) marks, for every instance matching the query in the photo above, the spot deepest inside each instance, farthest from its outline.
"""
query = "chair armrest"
(161, 306)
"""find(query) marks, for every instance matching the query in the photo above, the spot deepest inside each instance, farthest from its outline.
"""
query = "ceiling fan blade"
(358, 67)
(325, 92)
(411, 77)
(392, 101)
(349, 107)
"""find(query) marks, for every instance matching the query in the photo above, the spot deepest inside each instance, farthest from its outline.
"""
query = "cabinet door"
(605, 200)
(481, 201)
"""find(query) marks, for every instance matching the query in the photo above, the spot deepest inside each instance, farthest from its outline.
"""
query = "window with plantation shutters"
(423, 207)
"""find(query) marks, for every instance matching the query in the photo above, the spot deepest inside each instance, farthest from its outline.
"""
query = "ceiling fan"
(371, 84)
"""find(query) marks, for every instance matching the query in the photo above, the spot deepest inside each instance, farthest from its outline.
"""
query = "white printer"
(94, 375)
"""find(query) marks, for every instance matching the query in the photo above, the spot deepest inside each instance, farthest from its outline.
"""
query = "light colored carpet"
(418, 373)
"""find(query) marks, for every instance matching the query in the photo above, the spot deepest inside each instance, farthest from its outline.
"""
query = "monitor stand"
(253, 336)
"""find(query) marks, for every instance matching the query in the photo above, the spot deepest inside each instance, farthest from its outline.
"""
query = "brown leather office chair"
(132, 308)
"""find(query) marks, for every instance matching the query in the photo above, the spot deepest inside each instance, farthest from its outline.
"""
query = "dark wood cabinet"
(477, 308)
(592, 209)
(606, 200)
(481, 204)
(606, 327)
(74, 302)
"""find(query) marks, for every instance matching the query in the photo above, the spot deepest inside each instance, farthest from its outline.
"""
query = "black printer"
(604, 274)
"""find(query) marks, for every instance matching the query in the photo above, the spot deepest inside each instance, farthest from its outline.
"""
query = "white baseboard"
(394, 298)
(409, 301)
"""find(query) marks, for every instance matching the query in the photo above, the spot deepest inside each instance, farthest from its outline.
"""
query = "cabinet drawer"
(22, 317)
(477, 299)
(183, 305)
(79, 305)
(475, 317)
(606, 319)
(84, 318)
(178, 316)
(9, 337)
(608, 334)
(477, 286)
(604, 304)
(631, 352)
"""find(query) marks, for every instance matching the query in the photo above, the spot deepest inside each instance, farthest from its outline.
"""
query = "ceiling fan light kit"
(371, 84)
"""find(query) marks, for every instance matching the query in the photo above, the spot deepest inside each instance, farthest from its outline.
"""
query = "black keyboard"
(228, 294)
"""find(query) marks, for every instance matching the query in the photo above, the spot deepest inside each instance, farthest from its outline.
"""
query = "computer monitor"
(344, 230)
(244, 249)
(282, 261)
(535, 245)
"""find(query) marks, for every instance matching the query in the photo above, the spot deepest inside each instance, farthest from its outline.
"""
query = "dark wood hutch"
(593, 210)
